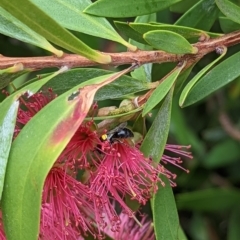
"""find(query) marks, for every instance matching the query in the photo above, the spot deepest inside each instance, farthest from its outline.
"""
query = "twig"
(228, 126)
(73, 60)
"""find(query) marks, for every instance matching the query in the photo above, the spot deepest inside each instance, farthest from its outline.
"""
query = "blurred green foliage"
(208, 197)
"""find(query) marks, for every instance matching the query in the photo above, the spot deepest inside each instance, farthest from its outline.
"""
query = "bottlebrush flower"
(123, 171)
(130, 229)
(2, 235)
(30, 106)
(81, 151)
(180, 151)
(67, 210)
(116, 170)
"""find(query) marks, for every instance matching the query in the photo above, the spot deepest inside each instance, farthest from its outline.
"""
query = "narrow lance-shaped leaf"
(60, 10)
(32, 88)
(233, 224)
(182, 77)
(169, 41)
(183, 6)
(181, 234)
(163, 206)
(8, 109)
(229, 9)
(217, 157)
(161, 91)
(154, 142)
(219, 76)
(165, 216)
(6, 133)
(146, 18)
(12, 27)
(209, 200)
(9, 74)
(186, 32)
(47, 133)
(193, 81)
(44, 25)
(202, 15)
(129, 32)
(144, 72)
(123, 86)
(130, 8)
(227, 25)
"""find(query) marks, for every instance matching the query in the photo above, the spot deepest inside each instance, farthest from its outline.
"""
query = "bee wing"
(116, 129)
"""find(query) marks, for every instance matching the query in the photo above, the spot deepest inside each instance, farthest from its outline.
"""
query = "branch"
(140, 57)
(228, 126)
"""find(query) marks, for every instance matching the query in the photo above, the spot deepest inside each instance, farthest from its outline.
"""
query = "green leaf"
(169, 42)
(202, 15)
(229, 9)
(130, 8)
(47, 133)
(165, 216)
(146, 18)
(12, 27)
(123, 86)
(208, 200)
(61, 10)
(117, 115)
(199, 227)
(218, 77)
(182, 132)
(154, 142)
(233, 227)
(26, 12)
(227, 25)
(197, 77)
(183, 77)
(183, 6)
(129, 32)
(181, 234)
(161, 91)
(144, 72)
(186, 32)
(9, 74)
(217, 157)
(8, 109)
(6, 132)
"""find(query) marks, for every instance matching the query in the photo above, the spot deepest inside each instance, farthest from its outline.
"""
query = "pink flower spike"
(176, 161)
(67, 210)
(129, 229)
(124, 171)
(30, 106)
(81, 151)
(2, 234)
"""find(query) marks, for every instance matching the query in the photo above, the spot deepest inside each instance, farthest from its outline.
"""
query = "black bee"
(119, 132)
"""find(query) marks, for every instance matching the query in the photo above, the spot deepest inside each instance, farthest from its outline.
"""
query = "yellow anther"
(104, 137)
